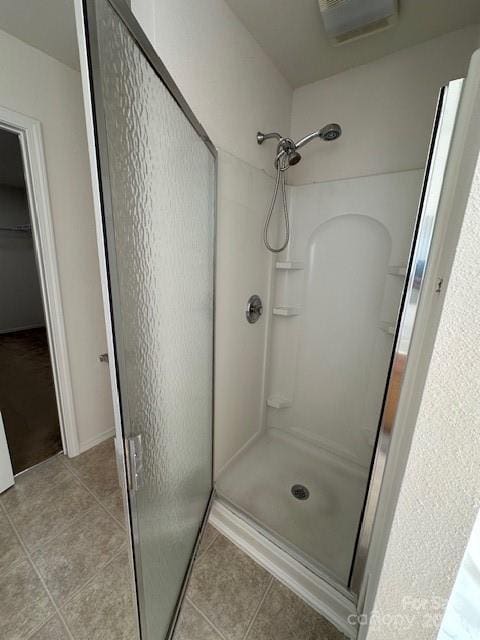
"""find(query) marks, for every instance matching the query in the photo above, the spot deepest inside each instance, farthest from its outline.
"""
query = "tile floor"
(64, 568)
(65, 574)
(230, 597)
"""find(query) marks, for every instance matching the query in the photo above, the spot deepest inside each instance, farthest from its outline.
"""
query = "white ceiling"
(11, 163)
(48, 25)
(290, 31)
(292, 34)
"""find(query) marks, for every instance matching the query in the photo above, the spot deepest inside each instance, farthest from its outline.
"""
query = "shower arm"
(261, 137)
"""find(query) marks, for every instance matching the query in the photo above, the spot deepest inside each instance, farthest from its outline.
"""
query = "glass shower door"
(157, 174)
(435, 170)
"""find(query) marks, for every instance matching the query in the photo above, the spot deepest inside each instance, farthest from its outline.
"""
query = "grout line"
(19, 542)
(13, 564)
(38, 464)
(97, 499)
(255, 614)
(51, 483)
(98, 571)
(205, 617)
(204, 551)
(42, 581)
(99, 567)
(60, 531)
(30, 635)
(43, 494)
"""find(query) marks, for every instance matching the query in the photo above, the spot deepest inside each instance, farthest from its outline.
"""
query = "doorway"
(28, 404)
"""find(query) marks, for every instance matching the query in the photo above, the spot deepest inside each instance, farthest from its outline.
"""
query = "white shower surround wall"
(243, 268)
(352, 236)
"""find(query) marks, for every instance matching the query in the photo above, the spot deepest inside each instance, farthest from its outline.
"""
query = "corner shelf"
(398, 270)
(387, 327)
(290, 266)
(278, 402)
(286, 311)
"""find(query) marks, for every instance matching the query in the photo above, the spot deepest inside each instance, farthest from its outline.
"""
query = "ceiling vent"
(348, 20)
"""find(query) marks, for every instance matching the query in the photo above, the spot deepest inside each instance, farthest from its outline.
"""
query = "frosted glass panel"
(161, 253)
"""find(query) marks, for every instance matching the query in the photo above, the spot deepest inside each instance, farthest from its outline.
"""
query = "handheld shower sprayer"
(287, 156)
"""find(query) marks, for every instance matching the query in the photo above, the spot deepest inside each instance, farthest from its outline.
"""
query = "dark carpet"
(27, 398)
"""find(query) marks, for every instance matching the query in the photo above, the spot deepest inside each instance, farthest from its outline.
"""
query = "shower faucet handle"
(254, 309)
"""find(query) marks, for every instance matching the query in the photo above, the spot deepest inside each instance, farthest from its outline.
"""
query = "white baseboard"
(313, 590)
(85, 445)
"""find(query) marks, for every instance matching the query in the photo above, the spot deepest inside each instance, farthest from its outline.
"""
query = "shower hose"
(282, 165)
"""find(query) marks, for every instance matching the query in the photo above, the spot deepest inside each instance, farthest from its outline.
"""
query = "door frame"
(29, 131)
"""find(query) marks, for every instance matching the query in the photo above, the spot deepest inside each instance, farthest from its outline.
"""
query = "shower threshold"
(320, 531)
(284, 545)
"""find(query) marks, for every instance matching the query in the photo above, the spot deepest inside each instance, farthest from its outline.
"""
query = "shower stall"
(348, 259)
(347, 272)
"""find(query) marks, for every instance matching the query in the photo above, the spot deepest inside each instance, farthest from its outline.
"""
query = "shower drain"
(300, 492)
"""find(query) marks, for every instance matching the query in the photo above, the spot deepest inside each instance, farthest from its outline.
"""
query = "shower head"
(330, 132)
(287, 149)
(287, 154)
(293, 157)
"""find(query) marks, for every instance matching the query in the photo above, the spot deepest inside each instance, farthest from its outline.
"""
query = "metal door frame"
(128, 19)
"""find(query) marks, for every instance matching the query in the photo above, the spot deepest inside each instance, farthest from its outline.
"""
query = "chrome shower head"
(293, 157)
(330, 132)
(287, 149)
(287, 154)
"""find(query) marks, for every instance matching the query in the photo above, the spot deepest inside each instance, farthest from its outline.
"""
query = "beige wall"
(385, 108)
(231, 85)
(36, 85)
(234, 90)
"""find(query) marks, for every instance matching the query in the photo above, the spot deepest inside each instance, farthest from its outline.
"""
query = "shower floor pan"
(320, 530)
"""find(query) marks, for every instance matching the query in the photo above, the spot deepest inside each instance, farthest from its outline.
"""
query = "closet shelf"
(278, 402)
(387, 327)
(398, 270)
(286, 311)
(290, 266)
